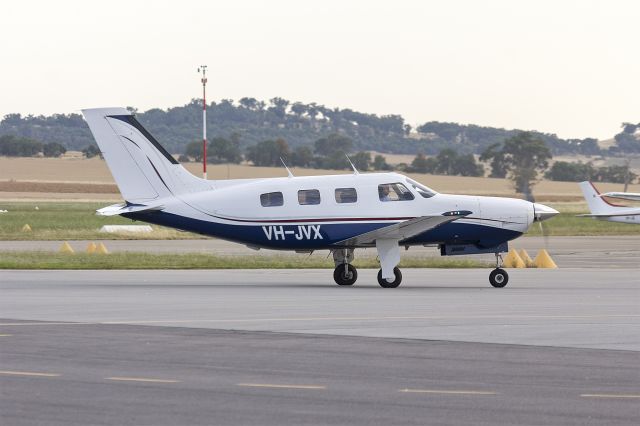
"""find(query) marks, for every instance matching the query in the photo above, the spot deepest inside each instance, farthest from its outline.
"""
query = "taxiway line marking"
(447, 392)
(6, 335)
(276, 386)
(382, 318)
(141, 379)
(609, 395)
(28, 374)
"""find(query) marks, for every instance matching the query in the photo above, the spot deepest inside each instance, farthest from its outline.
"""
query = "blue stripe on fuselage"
(322, 235)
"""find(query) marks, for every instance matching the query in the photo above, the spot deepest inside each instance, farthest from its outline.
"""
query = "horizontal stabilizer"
(623, 195)
(404, 230)
(117, 209)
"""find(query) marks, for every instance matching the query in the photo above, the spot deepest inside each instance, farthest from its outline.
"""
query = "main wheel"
(498, 278)
(393, 284)
(345, 277)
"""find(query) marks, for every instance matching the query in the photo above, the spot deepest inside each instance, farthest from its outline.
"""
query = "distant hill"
(298, 124)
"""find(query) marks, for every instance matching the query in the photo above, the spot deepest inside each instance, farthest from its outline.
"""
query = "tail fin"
(597, 205)
(142, 168)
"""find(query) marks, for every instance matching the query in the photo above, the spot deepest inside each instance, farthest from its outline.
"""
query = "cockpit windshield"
(421, 189)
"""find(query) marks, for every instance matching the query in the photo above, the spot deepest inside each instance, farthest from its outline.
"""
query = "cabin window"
(346, 195)
(308, 197)
(394, 192)
(272, 199)
(421, 189)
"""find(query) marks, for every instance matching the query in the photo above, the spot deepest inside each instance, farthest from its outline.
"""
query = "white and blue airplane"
(339, 213)
(602, 209)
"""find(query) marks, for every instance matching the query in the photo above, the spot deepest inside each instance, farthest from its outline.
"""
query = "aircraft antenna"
(355, 171)
(285, 166)
(203, 80)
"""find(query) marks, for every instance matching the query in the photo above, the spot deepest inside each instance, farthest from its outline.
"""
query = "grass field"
(49, 178)
(129, 260)
(78, 221)
(69, 221)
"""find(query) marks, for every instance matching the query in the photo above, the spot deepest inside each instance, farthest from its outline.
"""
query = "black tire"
(342, 277)
(395, 283)
(498, 278)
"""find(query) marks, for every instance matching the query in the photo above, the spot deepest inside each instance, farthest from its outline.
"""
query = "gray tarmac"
(568, 252)
(267, 347)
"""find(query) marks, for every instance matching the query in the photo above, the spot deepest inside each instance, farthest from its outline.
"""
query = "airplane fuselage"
(233, 211)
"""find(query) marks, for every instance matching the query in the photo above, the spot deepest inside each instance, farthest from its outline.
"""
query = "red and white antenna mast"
(203, 69)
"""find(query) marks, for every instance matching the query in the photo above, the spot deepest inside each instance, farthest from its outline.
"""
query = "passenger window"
(271, 199)
(421, 189)
(394, 192)
(308, 197)
(346, 195)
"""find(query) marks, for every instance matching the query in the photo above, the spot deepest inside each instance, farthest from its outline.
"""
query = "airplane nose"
(542, 212)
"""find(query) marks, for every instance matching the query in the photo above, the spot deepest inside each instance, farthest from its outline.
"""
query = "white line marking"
(447, 392)
(276, 386)
(609, 395)
(141, 379)
(28, 374)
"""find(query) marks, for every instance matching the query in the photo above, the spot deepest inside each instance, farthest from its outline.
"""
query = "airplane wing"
(623, 195)
(404, 230)
(117, 209)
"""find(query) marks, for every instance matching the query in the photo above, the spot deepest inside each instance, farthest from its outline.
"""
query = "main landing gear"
(347, 274)
(498, 277)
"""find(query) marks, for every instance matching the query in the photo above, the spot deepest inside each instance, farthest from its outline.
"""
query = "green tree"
(194, 150)
(361, 160)
(422, 164)
(571, 172)
(13, 146)
(380, 163)
(302, 156)
(268, 153)
(331, 144)
(499, 168)
(53, 149)
(524, 156)
(222, 150)
(91, 151)
(466, 165)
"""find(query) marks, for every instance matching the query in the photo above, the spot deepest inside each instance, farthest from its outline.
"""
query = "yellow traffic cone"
(26, 228)
(66, 248)
(526, 258)
(513, 260)
(101, 249)
(543, 260)
(92, 247)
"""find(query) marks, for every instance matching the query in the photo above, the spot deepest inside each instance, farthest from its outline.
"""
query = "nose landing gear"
(498, 277)
(345, 273)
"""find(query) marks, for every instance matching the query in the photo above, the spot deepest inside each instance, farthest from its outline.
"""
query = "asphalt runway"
(568, 252)
(290, 347)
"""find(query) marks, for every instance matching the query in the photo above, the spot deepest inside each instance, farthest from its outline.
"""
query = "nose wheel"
(498, 278)
(345, 274)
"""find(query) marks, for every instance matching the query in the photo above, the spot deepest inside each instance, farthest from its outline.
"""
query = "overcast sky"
(564, 67)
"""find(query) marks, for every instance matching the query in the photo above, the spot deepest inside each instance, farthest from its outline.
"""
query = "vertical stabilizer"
(597, 205)
(142, 168)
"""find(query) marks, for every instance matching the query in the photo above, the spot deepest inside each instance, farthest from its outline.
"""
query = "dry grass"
(82, 179)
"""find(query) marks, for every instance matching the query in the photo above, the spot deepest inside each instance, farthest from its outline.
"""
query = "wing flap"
(404, 230)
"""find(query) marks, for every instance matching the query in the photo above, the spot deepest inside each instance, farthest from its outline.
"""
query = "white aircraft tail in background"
(601, 209)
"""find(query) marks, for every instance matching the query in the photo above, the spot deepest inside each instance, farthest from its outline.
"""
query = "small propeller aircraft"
(338, 213)
(602, 209)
